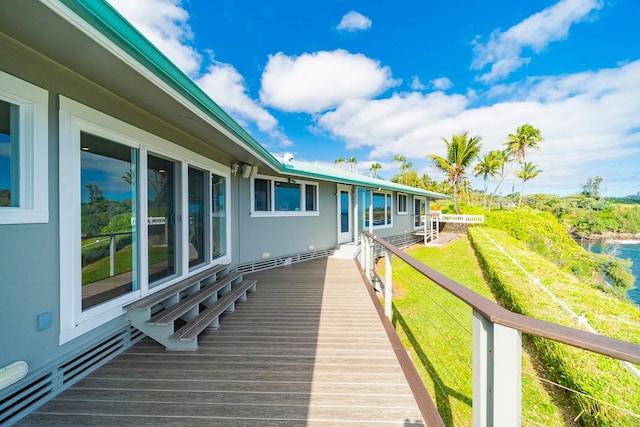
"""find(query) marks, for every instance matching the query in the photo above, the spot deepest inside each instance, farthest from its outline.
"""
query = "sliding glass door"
(109, 266)
(162, 250)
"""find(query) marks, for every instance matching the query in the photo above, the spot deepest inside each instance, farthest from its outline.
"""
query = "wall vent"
(280, 261)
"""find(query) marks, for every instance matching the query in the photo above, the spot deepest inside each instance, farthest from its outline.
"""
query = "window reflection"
(9, 152)
(218, 216)
(197, 241)
(108, 209)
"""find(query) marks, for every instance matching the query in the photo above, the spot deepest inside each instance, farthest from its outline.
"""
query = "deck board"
(307, 348)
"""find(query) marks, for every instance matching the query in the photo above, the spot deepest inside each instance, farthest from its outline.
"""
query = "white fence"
(463, 219)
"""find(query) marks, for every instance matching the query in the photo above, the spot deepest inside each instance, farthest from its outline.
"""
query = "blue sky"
(372, 79)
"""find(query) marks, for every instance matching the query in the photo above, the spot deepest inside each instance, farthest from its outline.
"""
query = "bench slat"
(158, 297)
(174, 312)
(197, 325)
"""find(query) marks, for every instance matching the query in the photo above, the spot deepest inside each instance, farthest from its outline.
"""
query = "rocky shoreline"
(610, 237)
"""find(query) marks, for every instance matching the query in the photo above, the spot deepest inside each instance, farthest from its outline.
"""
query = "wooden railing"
(497, 339)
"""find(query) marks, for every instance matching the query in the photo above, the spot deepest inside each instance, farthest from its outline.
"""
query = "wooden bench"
(198, 300)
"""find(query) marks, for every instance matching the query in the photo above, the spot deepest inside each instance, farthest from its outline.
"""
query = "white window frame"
(33, 148)
(386, 209)
(406, 204)
(275, 213)
(74, 119)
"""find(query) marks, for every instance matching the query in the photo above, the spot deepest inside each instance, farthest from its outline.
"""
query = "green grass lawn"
(436, 330)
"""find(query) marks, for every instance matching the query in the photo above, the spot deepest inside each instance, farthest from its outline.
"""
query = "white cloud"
(588, 120)
(416, 84)
(353, 21)
(385, 123)
(225, 85)
(441, 83)
(315, 82)
(503, 49)
(165, 24)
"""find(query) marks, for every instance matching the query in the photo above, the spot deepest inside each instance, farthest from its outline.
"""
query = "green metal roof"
(328, 173)
(108, 22)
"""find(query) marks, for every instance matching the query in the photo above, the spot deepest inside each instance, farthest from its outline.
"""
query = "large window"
(137, 213)
(382, 209)
(284, 197)
(107, 207)
(23, 152)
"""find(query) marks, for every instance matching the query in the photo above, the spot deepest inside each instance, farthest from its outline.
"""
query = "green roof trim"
(327, 173)
(104, 18)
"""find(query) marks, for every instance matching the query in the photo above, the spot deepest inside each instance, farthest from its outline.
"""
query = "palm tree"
(374, 169)
(488, 166)
(502, 157)
(352, 162)
(461, 152)
(339, 161)
(526, 137)
(528, 171)
(404, 166)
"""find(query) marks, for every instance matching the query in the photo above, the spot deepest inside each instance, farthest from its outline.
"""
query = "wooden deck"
(307, 348)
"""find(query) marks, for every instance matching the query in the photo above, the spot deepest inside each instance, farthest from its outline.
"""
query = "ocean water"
(631, 252)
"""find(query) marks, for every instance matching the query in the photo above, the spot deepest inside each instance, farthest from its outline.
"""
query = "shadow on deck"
(307, 348)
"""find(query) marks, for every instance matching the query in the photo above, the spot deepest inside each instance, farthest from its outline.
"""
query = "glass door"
(162, 240)
(109, 264)
(344, 215)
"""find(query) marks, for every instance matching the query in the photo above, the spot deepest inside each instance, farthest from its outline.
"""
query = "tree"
(528, 172)
(488, 166)
(461, 152)
(352, 162)
(374, 169)
(95, 193)
(592, 187)
(404, 166)
(526, 137)
(339, 161)
(502, 157)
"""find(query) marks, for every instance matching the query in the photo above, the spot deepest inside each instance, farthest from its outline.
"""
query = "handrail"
(601, 344)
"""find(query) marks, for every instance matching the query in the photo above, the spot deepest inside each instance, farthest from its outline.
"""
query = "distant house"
(119, 177)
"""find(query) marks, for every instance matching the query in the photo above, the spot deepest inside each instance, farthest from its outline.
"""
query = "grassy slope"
(440, 343)
(597, 376)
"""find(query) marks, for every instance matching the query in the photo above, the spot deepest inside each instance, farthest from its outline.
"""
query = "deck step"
(176, 311)
(212, 313)
(198, 300)
(158, 297)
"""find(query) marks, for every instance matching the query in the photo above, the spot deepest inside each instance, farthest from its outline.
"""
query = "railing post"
(367, 256)
(388, 283)
(497, 374)
(112, 255)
